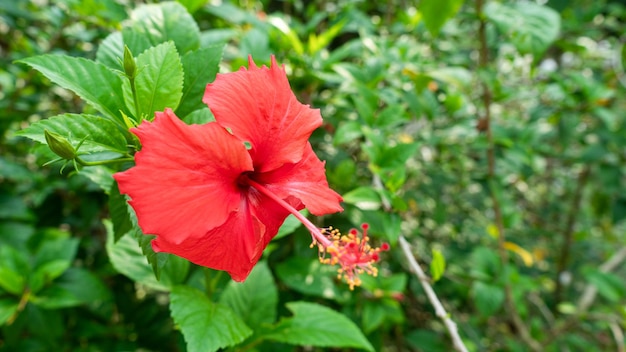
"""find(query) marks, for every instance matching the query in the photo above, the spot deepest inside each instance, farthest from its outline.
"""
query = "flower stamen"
(353, 253)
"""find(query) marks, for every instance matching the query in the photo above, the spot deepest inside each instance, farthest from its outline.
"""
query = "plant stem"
(568, 235)
(432, 296)
(102, 162)
(485, 124)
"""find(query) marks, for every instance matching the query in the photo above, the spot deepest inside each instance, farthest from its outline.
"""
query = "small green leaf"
(608, 285)
(159, 83)
(99, 134)
(315, 325)
(45, 273)
(254, 300)
(159, 23)
(347, 132)
(487, 298)
(206, 326)
(201, 67)
(199, 117)
(365, 198)
(437, 12)
(8, 307)
(92, 81)
(437, 265)
(530, 27)
(75, 287)
(11, 281)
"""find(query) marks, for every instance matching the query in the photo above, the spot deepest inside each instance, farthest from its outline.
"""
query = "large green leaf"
(99, 134)
(530, 27)
(161, 271)
(206, 326)
(111, 51)
(159, 84)
(200, 68)
(76, 287)
(437, 12)
(92, 81)
(254, 300)
(118, 208)
(159, 23)
(127, 258)
(319, 326)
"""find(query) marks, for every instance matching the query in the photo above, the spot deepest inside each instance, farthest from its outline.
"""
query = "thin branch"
(618, 336)
(485, 125)
(432, 296)
(590, 291)
(568, 234)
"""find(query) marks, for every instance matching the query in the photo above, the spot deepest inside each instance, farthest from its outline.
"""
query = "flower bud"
(60, 145)
(130, 67)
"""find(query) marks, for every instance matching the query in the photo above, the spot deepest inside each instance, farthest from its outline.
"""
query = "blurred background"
(490, 134)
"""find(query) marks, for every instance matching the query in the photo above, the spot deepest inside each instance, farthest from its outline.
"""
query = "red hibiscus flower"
(190, 184)
(216, 194)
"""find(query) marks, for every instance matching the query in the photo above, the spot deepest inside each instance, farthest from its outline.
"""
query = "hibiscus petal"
(306, 181)
(237, 245)
(185, 180)
(258, 105)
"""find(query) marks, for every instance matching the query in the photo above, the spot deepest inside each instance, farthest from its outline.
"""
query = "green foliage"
(531, 241)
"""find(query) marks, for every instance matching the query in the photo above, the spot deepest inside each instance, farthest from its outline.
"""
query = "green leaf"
(8, 307)
(118, 209)
(11, 281)
(199, 117)
(608, 285)
(254, 300)
(530, 27)
(13, 269)
(92, 81)
(290, 225)
(437, 265)
(373, 316)
(487, 298)
(159, 83)
(311, 277)
(99, 134)
(111, 50)
(437, 12)
(365, 198)
(319, 326)
(75, 287)
(128, 258)
(201, 67)
(347, 132)
(45, 273)
(159, 23)
(206, 326)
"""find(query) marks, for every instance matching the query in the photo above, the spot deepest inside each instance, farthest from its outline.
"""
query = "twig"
(568, 234)
(432, 296)
(618, 336)
(589, 294)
